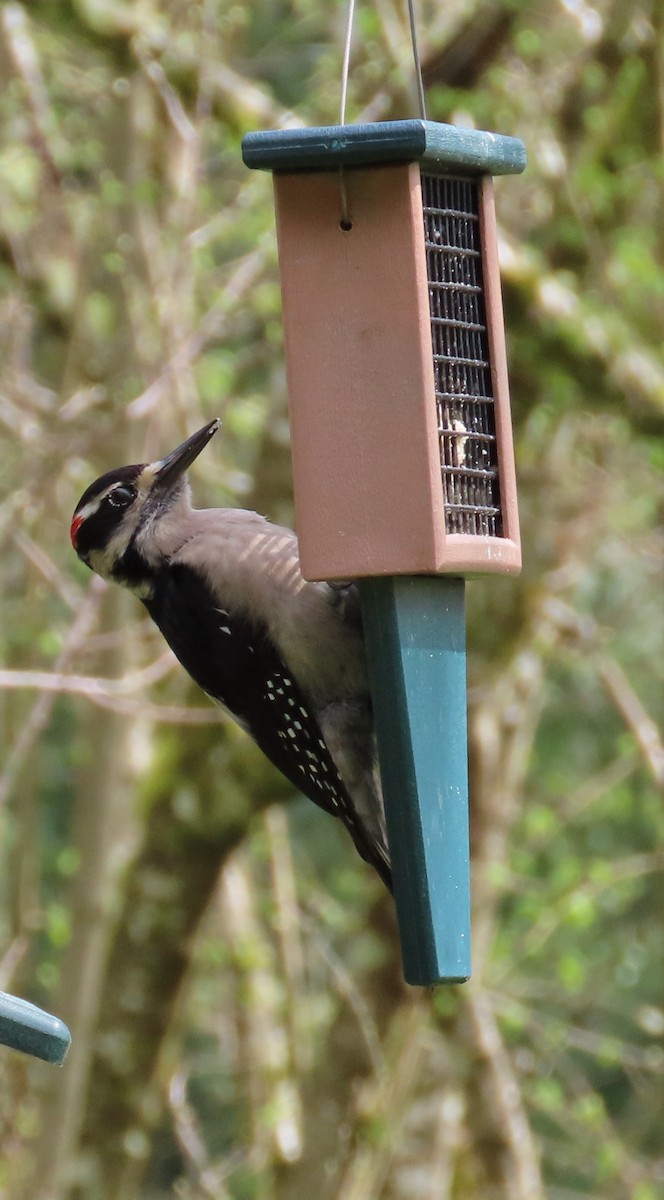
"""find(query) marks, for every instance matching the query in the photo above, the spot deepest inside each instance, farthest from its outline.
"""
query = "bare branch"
(24, 56)
(188, 1136)
(245, 96)
(635, 716)
(39, 558)
(172, 102)
(11, 958)
(89, 685)
(347, 987)
(522, 1166)
(211, 327)
(289, 931)
(112, 693)
(41, 710)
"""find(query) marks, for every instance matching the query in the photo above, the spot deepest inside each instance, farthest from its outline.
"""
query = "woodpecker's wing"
(237, 664)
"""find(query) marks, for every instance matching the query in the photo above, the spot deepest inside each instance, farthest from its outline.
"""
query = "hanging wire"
(346, 63)
(419, 82)
(416, 59)
(345, 221)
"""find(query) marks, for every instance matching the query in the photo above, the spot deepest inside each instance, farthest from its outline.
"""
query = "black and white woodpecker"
(284, 656)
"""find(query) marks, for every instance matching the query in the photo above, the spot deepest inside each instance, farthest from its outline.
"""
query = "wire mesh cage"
(461, 356)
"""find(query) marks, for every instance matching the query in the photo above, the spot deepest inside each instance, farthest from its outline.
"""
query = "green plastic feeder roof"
(436, 146)
(25, 1027)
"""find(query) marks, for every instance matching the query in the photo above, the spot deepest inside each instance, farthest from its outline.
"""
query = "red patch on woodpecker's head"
(73, 532)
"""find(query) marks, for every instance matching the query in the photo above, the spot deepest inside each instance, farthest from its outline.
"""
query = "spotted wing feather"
(239, 667)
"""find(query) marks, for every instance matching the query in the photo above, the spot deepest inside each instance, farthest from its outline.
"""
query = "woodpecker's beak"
(176, 463)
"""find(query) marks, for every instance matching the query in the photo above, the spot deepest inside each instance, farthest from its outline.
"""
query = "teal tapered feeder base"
(25, 1027)
(416, 643)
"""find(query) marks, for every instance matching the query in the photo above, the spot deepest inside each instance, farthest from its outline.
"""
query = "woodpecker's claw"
(176, 463)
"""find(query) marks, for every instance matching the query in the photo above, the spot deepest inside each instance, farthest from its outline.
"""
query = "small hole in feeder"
(345, 225)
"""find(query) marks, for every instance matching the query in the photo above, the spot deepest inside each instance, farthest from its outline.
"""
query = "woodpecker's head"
(113, 520)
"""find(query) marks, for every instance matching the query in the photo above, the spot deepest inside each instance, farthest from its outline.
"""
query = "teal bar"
(440, 148)
(416, 643)
(25, 1027)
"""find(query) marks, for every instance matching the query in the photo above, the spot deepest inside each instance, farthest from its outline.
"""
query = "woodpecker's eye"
(121, 496)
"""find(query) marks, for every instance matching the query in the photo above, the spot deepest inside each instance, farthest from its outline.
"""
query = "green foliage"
(231, 975)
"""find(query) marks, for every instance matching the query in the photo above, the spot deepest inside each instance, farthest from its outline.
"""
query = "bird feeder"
(25, 1027)
(403, 463)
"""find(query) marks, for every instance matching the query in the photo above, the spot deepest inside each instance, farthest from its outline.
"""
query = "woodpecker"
(284, 656)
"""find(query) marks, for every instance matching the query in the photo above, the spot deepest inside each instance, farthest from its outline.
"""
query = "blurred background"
(229, 968)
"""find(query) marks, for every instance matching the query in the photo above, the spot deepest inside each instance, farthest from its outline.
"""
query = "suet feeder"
(25, 1027)
(403, 462)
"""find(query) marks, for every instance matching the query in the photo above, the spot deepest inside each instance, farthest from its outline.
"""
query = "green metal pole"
(416, 644)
